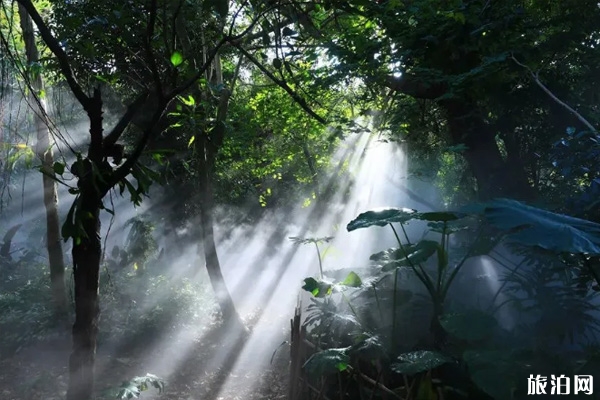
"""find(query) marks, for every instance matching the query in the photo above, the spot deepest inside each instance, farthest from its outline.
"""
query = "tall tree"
(95, 173)
(44, 151)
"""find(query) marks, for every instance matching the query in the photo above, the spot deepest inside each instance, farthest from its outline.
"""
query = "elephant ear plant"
(490, 362)
(414, 255)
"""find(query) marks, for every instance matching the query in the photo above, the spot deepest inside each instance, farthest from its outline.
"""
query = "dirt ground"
(210, 368)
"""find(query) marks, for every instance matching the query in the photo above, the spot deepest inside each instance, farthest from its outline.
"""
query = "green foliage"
(468, 341)
(26, 313)
(133, 388)
(327, 362)
(418, 361)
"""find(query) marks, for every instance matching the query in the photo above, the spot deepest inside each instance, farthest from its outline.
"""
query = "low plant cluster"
(411, 328)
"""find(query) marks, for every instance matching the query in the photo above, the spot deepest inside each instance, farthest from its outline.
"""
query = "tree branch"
(121, 172)
(299, 100)
(59, 53)
(124, 170)
(536, 79)
(119, 128)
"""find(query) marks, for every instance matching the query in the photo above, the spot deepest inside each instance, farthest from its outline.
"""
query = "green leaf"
(328, 362)
(318, 288)
(369, 349)
(448, 227)
(533, 226)
(352, 280)
(286, 31)
(406, 256)
(381, 217)
(493, 371)
(176, 59)
(58, 168)
(470, 326)
(189, 101)
(418, 361)
(68, 229)
(277, 63)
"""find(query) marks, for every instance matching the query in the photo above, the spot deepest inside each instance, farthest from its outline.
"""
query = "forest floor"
(208, 369)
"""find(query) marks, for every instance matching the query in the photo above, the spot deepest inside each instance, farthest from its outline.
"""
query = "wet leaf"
(328, 362)
(407, 255)
(382, 217)
(318, 288)
(418, 361)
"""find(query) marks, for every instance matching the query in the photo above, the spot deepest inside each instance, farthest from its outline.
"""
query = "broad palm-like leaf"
(532, 226)
(382, 217)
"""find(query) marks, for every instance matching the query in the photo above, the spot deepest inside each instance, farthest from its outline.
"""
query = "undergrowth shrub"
(26, 312)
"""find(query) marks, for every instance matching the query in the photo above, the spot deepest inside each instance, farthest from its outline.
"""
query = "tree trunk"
(87, 253)
(494, 177)
(206, 153)
(213, 265)
(86, 267)
(45, 153)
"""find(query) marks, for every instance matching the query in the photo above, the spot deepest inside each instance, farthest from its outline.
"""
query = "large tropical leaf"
(532, 226)
(418, 361)
(368, 349)
(381, 217)
(324, 287)
(493, 371)
(328, 362)
(406, 256)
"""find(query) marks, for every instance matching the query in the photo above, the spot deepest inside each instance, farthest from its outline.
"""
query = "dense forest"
(269, 199)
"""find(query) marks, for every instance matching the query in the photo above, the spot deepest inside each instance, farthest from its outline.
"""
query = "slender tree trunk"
(206, 153)
(45, 153)
(310, 161)
(213, 265)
